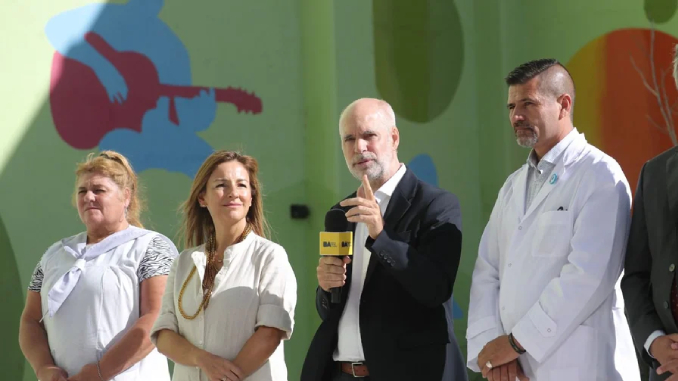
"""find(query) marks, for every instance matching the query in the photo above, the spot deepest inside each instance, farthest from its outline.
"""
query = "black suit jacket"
(405, 307)
(652, 252)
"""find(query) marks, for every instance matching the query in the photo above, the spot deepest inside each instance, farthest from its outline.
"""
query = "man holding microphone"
(394, 320)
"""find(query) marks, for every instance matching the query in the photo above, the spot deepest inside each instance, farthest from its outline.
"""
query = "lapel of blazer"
(397, 207)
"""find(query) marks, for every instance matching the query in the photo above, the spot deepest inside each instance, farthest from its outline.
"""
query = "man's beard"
(526, 140)
(374, 171)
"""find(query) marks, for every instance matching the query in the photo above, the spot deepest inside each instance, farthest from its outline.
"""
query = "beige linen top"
(255, 287)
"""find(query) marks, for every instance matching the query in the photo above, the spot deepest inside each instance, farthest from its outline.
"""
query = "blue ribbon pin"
(554, 178)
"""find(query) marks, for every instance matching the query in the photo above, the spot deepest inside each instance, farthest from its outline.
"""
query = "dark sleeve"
(428, 269)
(158, 259)
(636, 283)
(36, 279)
(322, 302)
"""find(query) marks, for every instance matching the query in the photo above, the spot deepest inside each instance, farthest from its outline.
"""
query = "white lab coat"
(551, 276)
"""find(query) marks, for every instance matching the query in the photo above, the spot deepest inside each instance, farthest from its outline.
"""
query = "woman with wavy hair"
(230, 298)
(93, 297)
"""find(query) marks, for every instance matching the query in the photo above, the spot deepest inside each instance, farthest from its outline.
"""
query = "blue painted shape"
(135, 26)
(457, 312)
(422, 165)
(196, 113)
(161, 143)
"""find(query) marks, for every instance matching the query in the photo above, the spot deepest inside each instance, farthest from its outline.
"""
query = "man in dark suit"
(649, 283)
(394, 321)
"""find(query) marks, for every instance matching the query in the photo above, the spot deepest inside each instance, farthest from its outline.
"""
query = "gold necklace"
(210, 248)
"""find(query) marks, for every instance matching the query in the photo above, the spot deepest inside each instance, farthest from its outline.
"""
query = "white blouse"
(102, 307)
(255, 287)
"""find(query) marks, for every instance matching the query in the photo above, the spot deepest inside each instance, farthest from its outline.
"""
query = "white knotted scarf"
(67, 282)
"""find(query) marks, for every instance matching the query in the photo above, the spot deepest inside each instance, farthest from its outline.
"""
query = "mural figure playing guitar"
(121, 80)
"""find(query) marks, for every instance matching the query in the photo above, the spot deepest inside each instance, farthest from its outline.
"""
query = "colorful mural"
(418, 53)
(626, 95)
(121, 79)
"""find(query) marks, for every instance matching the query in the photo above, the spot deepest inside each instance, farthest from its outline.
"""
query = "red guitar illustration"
(83, 113)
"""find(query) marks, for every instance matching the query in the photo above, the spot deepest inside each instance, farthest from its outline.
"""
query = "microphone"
(336, 241)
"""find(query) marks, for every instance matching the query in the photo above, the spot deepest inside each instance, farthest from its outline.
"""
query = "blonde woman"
(93, 297)
(230, 300)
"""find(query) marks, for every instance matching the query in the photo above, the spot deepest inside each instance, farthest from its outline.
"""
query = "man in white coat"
(545, 299)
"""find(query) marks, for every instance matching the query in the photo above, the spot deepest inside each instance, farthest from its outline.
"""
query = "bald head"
(368, 108)
(369, 140)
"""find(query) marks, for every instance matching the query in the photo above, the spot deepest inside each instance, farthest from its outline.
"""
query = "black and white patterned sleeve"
(36, 279)
(157, 260)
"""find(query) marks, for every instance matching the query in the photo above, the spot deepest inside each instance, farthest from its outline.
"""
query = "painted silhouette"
(121, 79)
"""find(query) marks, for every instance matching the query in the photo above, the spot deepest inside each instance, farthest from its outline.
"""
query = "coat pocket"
(575, 359)
(553, 234)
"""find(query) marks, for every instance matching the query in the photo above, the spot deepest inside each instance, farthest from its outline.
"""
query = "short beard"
(374, 172)
(527, 141)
